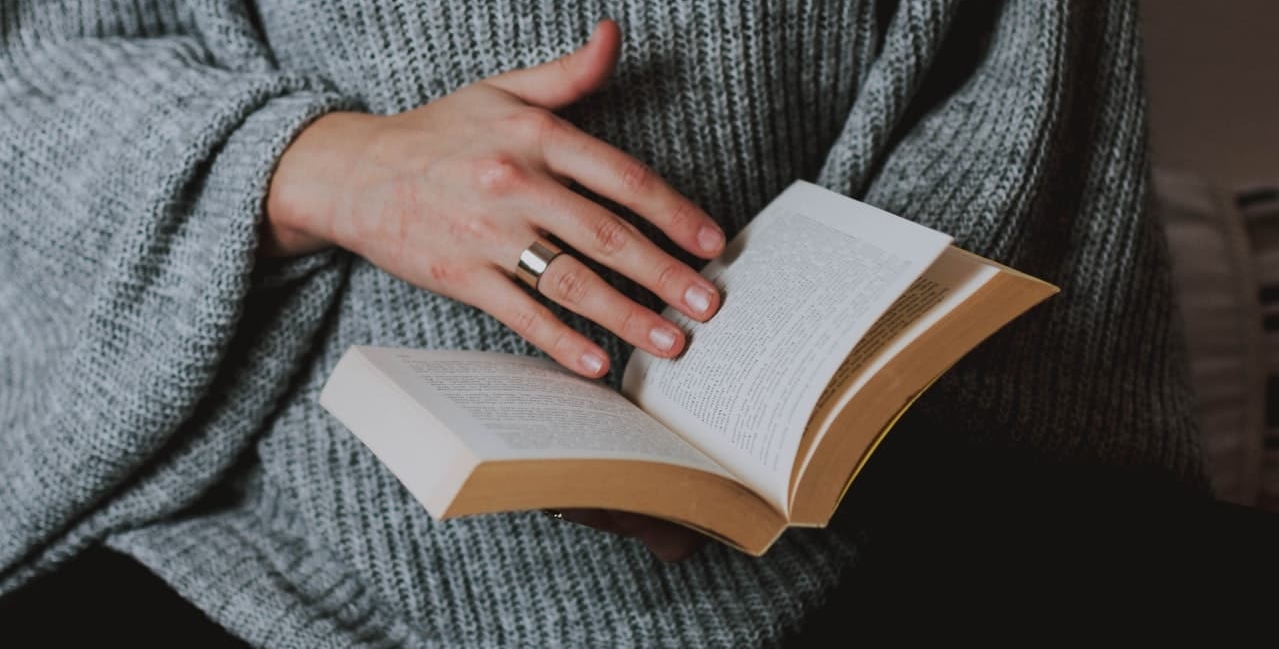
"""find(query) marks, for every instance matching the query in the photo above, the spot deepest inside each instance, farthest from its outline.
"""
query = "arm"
(144, 152)
(137, 140)
(447, 195)
(1029, 146)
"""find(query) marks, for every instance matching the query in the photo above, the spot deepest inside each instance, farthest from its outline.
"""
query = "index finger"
(613, 174)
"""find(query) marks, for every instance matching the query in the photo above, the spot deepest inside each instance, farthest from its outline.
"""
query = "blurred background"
(1212, 69)
(1212, 73)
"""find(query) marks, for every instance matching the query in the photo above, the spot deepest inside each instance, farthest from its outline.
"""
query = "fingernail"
(592, 363)
(710, 238)
(662, 338)
(697, 298)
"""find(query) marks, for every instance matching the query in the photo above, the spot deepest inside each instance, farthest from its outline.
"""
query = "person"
(206, 203)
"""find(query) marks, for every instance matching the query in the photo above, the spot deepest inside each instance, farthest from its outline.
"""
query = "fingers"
(597, 233)
(602, 236)
(609, 172)
(570, 283)
(666, 540)
(538, 325)
(563, 81)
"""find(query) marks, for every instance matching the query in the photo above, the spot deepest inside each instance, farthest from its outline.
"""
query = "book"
(835, 316)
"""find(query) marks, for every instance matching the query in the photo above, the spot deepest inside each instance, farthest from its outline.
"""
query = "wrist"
(307, 185)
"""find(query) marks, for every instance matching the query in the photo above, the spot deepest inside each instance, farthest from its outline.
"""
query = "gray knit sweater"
(158, 383)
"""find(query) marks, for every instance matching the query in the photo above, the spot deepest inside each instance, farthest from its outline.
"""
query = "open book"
(835, 316)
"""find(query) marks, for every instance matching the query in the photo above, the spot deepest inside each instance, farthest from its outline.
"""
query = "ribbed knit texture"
(158, 385)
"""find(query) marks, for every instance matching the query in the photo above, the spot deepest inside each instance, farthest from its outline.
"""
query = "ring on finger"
(534, 260)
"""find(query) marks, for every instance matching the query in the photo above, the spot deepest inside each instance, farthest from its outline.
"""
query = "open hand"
(448, 195)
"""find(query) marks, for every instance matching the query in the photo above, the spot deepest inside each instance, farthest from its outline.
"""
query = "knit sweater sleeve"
(137, 140)
(1022, 132)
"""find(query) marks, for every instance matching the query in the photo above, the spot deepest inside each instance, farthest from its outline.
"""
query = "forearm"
(1038, 159)
(136, 164)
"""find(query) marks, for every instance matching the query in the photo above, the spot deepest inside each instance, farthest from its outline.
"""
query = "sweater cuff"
(185, 285)
(244, 169)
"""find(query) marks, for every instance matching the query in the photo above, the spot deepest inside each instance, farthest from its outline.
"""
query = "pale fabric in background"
(1214, 122)
(1218, 290)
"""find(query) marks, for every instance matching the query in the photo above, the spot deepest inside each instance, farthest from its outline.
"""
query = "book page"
(944, 286)
(801, 284)
(951, 280)
(504, 406)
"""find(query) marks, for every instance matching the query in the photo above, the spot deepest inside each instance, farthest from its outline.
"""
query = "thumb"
(556, 84)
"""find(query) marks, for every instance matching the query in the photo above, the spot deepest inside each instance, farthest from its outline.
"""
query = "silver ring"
(534, 260)
(553, 513)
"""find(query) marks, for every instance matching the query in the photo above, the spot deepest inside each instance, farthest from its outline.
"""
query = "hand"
(446, 196)
(666, 540)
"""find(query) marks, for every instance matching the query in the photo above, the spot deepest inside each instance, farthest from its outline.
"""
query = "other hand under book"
(666, 540)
